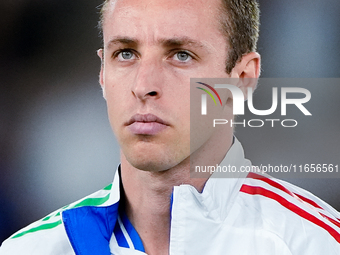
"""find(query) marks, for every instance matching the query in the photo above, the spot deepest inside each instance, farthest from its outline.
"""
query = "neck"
(148, 195)
(147, 202)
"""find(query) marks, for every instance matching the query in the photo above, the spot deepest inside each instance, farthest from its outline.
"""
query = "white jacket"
(255, 215)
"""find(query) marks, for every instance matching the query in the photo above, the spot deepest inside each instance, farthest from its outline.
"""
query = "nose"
(149, 80)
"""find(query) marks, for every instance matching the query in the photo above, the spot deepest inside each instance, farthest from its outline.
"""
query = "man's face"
(151, 50)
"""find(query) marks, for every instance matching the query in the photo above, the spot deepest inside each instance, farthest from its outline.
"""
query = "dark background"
(56, 145)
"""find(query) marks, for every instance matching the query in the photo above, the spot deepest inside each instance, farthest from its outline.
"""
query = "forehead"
(152, 19)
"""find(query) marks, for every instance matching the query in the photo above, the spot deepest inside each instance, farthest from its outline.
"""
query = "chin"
(155, 155)
(150, 166)
(154, 162)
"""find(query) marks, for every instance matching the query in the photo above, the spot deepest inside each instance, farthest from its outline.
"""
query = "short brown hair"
(240, 22)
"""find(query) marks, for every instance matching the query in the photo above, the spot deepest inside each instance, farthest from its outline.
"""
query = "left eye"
(183, 56)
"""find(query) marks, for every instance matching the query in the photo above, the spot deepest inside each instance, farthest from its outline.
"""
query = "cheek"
(117, 85)
(114, 75)
(117, 103)
(110, 79)
(201, 126)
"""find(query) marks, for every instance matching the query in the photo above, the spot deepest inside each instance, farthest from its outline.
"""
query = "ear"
(248, 67)
(100, 54)
(248, 71)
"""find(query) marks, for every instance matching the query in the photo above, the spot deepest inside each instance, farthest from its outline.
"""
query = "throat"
(149, 212)
(147, 202)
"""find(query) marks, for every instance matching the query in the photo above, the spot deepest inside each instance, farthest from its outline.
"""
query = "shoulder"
(293, 214)
(48, 235)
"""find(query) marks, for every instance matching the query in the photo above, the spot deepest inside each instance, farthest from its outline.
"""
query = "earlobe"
(100, 53)
(248, 71)
(101, 74)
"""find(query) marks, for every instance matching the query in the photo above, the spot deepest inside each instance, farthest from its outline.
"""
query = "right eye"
(125, 55)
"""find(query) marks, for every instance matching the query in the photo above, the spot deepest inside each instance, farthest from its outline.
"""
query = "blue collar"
(89, 228)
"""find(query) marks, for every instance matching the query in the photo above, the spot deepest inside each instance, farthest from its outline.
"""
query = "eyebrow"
(122, 40)
(181, 41)
(165, 42)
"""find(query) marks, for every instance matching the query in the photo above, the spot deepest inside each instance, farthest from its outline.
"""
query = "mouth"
(146, 124)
